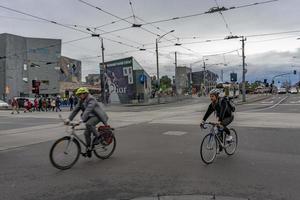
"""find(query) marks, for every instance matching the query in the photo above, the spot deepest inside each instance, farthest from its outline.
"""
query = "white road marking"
(176, 133)
(267, 102)
(273, 106)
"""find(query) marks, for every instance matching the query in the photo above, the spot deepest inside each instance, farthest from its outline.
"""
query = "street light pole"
(244, 70)
(157, 63)
(103, 76)
(204, 75)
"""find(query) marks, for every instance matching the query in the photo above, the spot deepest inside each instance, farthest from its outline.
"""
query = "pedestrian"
(41, 104)
(71, 101)
(44, 104)
(49, 104)
(57, 103)
(36, 104)
(53, 104)
(15, 105)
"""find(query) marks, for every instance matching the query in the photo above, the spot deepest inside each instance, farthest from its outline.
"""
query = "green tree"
(165, 82)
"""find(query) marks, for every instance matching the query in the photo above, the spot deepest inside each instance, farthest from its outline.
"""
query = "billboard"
(119, 83)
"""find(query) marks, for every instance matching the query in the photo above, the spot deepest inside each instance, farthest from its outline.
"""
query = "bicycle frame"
(73, 136)
(215, 135)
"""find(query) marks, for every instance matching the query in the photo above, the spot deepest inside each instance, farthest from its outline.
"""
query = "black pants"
(225, 122)
(90, 128)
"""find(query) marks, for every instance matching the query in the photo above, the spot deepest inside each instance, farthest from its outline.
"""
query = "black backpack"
(230, 104)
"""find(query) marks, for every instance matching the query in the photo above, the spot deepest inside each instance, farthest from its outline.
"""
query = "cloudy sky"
(266, 55)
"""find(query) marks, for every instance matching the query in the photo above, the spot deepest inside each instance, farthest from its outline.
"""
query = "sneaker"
(88, 153)
(97, 140)
(229, 138)
(220, 149)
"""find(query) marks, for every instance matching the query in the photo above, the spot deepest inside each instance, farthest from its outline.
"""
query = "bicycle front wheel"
(64, 153)
(106, 148)
(208, 149)
(232, 145)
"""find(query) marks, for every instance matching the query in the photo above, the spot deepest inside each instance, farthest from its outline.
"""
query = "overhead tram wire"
(226, 24)
(60, 24)
(109, 13)
(113, 22)
(207, 12)
(43, 19)
(274, 39)
(122, 19)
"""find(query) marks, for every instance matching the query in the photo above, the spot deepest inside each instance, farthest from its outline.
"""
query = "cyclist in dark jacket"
(223, 112)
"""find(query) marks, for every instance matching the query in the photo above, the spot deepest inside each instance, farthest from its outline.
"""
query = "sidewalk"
(190, 197)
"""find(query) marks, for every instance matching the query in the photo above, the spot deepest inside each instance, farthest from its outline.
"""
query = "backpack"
(230, 104)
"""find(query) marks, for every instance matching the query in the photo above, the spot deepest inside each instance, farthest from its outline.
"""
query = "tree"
(165, 82)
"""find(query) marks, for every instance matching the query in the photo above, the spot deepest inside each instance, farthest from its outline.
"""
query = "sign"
(142, 78)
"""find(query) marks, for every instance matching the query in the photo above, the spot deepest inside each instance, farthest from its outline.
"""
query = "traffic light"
(36, 86)
(295, 72)
(233, 77)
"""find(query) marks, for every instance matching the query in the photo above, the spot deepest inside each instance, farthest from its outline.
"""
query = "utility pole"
(175, 71)
(103, 76)
(157, 70)
(191, 82)
(244, 70)
(204, 75)
(222, 73)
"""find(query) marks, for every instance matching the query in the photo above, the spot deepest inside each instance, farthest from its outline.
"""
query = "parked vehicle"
(293, 90)
(3, 104)
(281, 91)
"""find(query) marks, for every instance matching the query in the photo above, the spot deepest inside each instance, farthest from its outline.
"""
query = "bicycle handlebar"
(72, 123)
(208, 123)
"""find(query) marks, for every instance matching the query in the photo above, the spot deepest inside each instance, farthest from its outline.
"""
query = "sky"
(266, 55)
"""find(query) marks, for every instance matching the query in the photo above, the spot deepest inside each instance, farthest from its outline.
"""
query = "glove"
(202, 124)
(67, 122)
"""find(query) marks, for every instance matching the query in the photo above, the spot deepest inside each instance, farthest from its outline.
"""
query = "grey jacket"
(90, 108)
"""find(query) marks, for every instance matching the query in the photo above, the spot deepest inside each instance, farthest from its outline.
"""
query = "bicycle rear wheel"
(208, 149)
(106, 148)
(232, 145)
(64, 153)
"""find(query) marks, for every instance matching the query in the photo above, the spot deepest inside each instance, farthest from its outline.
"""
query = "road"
(153, 159)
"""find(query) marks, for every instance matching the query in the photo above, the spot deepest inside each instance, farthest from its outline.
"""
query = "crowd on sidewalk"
(43, 104)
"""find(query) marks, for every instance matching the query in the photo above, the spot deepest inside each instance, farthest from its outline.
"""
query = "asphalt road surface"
(158, 154)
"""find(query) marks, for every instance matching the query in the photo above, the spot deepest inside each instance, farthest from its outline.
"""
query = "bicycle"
(65, 151)
(214, 139)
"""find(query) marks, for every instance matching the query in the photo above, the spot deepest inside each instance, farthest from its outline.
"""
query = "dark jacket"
(90, 108)
(221, 109)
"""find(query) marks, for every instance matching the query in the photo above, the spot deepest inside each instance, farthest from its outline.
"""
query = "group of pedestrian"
(43, 104)
(47, 104)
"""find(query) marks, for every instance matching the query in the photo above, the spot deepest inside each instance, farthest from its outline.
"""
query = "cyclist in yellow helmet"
(91, 115)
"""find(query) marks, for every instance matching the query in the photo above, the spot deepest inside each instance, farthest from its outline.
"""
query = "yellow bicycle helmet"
(81, 90)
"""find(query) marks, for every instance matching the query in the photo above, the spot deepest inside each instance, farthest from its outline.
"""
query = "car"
(293, 90)
(281, 91)
(3, 104)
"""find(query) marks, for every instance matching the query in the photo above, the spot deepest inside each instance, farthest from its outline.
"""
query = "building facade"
(182, 80)
(93, 79)
(25, 60)
(69, 75)
(201, 85)
(125, 81)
